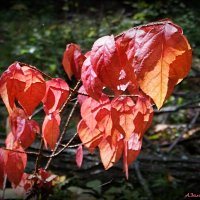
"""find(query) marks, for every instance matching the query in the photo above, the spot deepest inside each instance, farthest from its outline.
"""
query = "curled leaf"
(73, 60)
(57, 91)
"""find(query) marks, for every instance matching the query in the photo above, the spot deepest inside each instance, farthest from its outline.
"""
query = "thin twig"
(67, 122)
(187, 105)
(111, 96)
(38, 159)
(64, 147)
(142, 180)
(70, 95)
(187, 129)
(17, 151)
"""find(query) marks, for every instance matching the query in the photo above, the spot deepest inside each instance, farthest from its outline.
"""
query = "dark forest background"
(36, 32)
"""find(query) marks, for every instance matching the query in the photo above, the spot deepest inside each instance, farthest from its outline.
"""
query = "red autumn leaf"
(34, 90)
(90, 138)
(110, 153)
(92, 84)
(73, 60)
(17, 121)
(3, 158)
(23, 129)
(96, 122)
(105, 62)
(93, 111)
(15, 165)
(157, 52)
(143, 114)
(28, 136)
(51, 130)
(57, 91)
(79, 156)
(122, 113)
(12, 82)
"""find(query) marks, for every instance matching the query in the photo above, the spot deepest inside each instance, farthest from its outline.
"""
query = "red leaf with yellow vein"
(15, 165)
(34, 90)
(51, 130)
(57, 92)
(12, 82)
(157, 52)
(73, 60)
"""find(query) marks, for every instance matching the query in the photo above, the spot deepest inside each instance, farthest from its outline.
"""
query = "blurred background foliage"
(36, 32)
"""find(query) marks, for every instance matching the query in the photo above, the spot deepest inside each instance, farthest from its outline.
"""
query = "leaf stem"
(39, 156)
(35, 68)
(17, 151)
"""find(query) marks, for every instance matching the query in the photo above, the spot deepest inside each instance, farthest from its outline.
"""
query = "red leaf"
(51, 130)
(90, 138)
(143, 114)
(23, 129)
(105, 62)
(15, 165)
(33, 92)
(57, 91)
(17, 120)
(28, 136)
(12, 82)
(73, 60)
(79, 156)
(93, 111)
(122, 113)
(92, 84)
(109, 153)
(3, 158)
(157, 52)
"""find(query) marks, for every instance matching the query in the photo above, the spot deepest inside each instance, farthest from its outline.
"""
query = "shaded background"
(36, 32)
